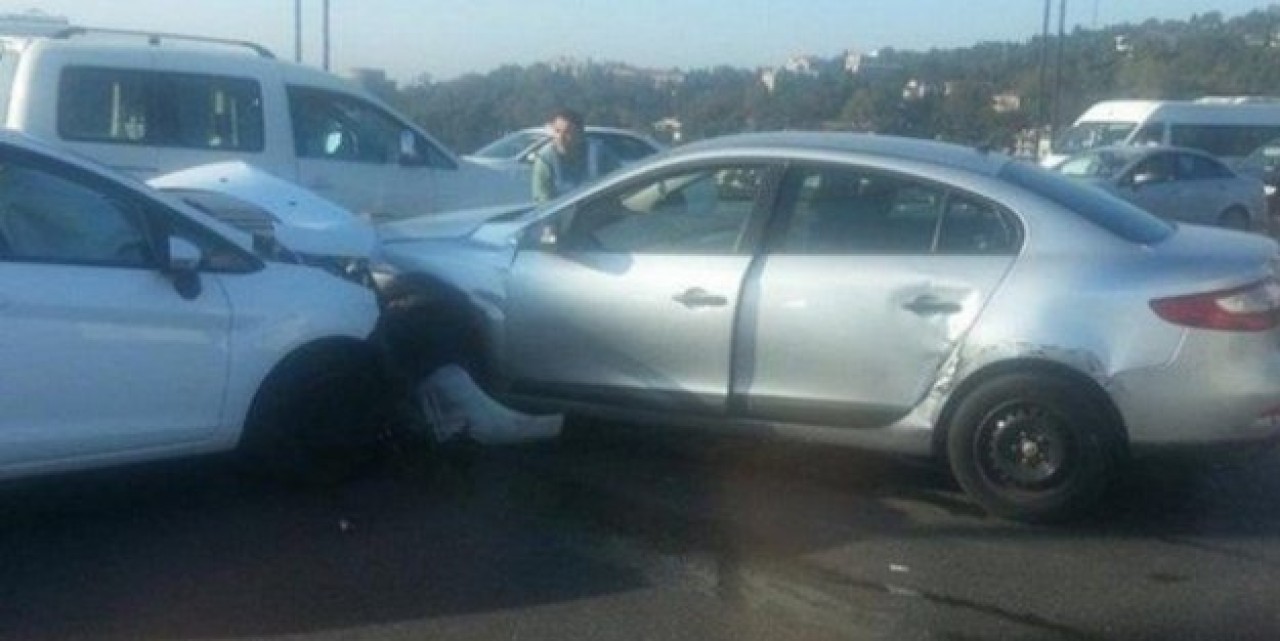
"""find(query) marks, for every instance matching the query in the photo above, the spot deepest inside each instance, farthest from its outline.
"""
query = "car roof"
(932, 152)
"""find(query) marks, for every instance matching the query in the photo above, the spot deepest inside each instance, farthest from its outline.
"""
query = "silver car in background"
(1175, 183)
(900, 295)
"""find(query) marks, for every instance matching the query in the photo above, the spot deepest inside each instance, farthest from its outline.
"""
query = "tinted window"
(1096, 206)
(703, 211)
(334, 126)
(160, 108)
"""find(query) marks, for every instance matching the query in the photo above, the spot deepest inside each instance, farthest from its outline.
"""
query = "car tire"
(1235, 218)
(1032, 447)
(315, 419)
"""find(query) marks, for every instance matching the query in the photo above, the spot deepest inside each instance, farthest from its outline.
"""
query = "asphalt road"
(631, 534)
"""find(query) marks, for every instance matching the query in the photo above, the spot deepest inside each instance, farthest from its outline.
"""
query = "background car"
(134, 327)
(1263, 163)
(515, 151)
(1175, 183)
(893, 294)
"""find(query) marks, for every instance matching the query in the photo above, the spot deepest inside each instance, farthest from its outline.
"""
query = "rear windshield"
(1098, 207)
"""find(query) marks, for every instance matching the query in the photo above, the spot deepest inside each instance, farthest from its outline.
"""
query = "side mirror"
(184, 267)
(542, 235)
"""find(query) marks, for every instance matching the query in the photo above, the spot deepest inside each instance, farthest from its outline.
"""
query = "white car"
(515, 151)
(134, 327)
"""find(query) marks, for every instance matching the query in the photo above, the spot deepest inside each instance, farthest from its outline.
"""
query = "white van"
(1227, 127)
(150, 104)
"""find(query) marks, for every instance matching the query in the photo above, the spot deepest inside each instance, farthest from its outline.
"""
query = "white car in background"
(516, 150)
(135, 327)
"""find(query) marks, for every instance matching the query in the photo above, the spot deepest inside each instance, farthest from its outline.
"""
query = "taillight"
(1252, 308)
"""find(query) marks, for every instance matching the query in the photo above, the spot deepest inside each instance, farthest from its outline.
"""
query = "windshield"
(1088, 135)
(510, 145)
(1094, 164)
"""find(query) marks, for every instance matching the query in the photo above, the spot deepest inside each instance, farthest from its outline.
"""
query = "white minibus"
(1227, 127)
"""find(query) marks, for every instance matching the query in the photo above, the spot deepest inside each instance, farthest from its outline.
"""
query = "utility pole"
(297, 31)
(326, 35)
(1042, 116)
(1057, 73)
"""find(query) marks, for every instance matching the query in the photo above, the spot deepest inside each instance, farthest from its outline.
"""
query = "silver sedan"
(1176, 183)
(900, 295)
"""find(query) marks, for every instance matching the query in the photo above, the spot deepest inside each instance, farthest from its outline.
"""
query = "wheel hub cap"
(1026, 447)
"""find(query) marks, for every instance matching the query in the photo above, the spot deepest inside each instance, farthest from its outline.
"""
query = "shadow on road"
(191, 550)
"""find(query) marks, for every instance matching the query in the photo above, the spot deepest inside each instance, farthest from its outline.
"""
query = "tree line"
(953, 96)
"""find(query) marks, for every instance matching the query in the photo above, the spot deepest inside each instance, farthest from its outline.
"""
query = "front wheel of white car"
(313, 421)
(1032, 448)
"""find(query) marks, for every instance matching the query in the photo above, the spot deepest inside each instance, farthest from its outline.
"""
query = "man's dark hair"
(570, 116)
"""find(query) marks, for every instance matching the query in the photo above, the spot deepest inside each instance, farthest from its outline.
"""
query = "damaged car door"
(871, 280)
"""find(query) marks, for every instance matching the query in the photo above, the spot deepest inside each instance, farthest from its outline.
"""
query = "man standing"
(570, 160)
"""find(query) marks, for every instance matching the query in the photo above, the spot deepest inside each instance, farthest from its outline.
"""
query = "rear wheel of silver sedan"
(1032, 447)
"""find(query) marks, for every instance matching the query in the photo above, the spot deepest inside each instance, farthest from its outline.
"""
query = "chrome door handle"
(698, 297)
(927, 304)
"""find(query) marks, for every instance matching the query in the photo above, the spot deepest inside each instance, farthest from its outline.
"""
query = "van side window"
(163, 109)
(330, 125)
(1222, 140)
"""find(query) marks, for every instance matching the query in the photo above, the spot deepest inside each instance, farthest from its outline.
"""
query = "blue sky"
(446, 38)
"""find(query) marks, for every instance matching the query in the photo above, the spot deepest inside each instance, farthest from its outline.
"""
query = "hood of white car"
(301, 221)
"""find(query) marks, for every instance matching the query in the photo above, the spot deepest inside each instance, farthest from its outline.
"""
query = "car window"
(701, 211)
(166, 109)
(850, 210)
(971, 225)
(46, 216)
(1196, 167)
(626, 148)
(1099, 164)
(510, 145)
(1157, 168)
(839, 210)
(334, 126)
